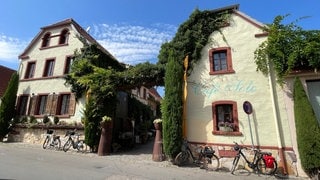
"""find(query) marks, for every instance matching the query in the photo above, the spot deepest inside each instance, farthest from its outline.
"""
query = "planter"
(158, 126)
(105, 138)
(157, 154)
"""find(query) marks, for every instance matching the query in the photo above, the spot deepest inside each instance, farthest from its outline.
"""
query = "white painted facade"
(53, 85)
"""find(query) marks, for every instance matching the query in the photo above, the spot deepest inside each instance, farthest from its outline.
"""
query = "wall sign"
(247, 107)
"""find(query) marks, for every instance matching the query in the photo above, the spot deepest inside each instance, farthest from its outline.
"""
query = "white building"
(43, 65)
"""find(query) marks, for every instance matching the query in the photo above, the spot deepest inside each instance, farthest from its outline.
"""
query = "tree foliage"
(7, 107)
(92, 125)
(193, 35)
(307, 129)
(98, 75)
(172, 108)
(289, 48)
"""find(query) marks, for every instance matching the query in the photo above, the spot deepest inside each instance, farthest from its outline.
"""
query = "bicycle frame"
(252, 164)
(187, 149)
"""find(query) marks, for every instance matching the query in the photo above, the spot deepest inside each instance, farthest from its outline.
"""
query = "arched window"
(46, 40)
(64, 36)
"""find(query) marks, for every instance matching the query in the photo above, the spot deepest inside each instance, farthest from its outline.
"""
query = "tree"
(307, 129)
(7, 107)
(172, 108)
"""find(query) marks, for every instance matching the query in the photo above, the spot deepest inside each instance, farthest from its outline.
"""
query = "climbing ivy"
(193, 35)
(289, 48)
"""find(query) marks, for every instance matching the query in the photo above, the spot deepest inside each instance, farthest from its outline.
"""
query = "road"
(25, 161)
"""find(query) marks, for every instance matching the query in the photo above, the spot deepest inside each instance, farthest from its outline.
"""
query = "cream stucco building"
(220, 84)
(43, 66)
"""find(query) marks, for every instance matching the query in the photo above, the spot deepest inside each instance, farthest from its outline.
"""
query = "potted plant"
(157, 123)
(106, 136)
(226, 126)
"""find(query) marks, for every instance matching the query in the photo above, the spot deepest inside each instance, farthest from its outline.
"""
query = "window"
(64, 36)
(49, 66)
(41, 105)
(46, 40)
(22, 105)
(220, 61)
(30, 70)
(63, 104)
(67, 66)
(225, 118)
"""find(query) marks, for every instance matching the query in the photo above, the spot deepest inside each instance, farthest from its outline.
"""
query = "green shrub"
(91, 125)
(33, 120)
(7, 107)
(172, 108)
(307, 129)
(56, 120)
(23, 119)
(45, 119)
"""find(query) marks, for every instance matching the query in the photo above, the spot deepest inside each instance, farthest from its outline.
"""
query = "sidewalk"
(141, 155)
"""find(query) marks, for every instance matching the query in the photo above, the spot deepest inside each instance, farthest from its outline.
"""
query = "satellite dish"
(88, 29)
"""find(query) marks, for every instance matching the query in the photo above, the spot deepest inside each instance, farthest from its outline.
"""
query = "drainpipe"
(276, 114)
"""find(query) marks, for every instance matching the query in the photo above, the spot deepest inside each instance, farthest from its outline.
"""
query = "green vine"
(193, 35)
(289, 48)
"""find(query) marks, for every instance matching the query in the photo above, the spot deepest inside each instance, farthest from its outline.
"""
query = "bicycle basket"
(49, 131)
(269, 161)
(208, 151)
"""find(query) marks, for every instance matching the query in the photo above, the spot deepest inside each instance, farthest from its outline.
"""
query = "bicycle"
(51, 140)
(262, 162)
(206, 158)
(74, 141)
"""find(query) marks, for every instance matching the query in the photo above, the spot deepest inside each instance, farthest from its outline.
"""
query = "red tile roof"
(5, 75)
(155, 94)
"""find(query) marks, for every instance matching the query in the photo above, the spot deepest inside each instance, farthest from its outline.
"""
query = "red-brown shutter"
(72, 104)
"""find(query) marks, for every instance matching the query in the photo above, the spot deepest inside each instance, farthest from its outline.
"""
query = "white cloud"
(10, 48)
(133, 44)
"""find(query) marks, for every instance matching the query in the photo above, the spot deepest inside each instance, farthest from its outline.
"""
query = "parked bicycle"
(51, 141)
(74, 141)
(262, 162)
(206, 158)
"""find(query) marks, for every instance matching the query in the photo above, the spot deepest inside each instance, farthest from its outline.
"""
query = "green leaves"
(289, 48)
(193, 35)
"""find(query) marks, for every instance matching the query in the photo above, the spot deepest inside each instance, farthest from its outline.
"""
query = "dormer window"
(46, 40)
(64, 36)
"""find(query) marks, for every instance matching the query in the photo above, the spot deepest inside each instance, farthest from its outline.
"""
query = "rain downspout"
(276, 114)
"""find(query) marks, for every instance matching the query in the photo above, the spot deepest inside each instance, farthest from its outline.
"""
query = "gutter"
(276, 115)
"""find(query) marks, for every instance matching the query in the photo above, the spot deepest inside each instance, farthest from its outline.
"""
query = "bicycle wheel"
(234, 164)
(57, 144)
(81, 146)
(263, 169)
(182, 158)
(211, 164)
(67, 145)
(45, 143)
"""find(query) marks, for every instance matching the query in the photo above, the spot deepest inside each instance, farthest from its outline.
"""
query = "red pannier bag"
(269, 160)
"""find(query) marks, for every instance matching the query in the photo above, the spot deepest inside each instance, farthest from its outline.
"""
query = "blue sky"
(132, 30)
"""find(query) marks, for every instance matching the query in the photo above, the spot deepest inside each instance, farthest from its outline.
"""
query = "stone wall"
(35, 134)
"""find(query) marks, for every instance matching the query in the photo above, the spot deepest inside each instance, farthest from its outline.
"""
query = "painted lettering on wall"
(236, 86)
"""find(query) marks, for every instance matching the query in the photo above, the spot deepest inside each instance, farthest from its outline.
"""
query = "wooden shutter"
(32, 105)
(72, 104)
